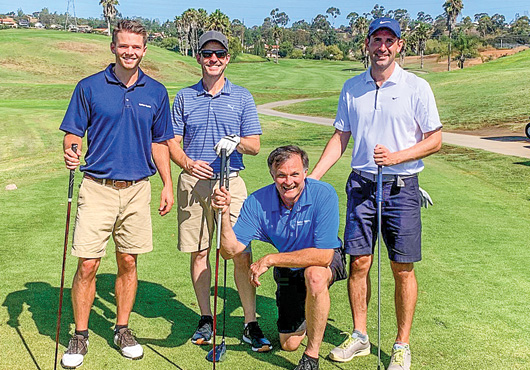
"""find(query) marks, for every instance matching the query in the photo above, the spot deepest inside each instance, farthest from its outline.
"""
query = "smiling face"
(289, 178)
(383, 46)
(213, 66)
(129, 49)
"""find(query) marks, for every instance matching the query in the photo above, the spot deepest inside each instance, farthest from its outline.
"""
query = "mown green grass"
(489, 94)
(473, 280)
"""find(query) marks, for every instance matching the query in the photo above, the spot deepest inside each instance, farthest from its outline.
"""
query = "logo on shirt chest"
(144, 105)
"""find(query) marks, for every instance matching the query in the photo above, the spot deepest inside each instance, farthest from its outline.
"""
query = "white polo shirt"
(395, 115)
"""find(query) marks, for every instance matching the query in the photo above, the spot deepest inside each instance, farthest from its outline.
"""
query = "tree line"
(321, 38)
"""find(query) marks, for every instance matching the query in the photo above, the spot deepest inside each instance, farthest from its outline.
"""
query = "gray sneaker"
(353, 346)
(401, 357)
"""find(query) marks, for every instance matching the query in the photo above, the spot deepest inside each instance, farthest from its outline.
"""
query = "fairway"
(473, 281)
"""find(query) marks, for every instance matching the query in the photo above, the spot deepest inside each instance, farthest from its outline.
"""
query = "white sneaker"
(76, 351)
(129, 347)
(352, 347)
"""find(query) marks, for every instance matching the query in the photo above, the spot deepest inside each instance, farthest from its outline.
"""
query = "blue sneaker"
(254, 336)
(203, 334)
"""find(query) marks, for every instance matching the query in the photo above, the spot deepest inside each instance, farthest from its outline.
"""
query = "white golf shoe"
(76, 351)
(128, 345)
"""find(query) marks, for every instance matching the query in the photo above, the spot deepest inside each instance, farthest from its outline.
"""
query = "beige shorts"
(196, 217)
(103, 211)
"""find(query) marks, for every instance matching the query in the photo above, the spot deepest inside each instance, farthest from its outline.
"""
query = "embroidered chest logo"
(144, 105)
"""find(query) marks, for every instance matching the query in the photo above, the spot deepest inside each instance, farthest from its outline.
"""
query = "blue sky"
(253, 12)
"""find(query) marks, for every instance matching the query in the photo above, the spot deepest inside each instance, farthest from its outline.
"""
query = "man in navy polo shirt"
(211, 115)
(300, 217)
(125, 115)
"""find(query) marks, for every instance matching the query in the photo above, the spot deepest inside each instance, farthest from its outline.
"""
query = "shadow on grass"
(526, 163)
(152, 301)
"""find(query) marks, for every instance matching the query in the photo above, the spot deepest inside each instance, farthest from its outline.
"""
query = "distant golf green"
(490, 94)
(473, 281)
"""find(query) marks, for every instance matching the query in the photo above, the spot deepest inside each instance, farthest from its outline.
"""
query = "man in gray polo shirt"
(211, 115)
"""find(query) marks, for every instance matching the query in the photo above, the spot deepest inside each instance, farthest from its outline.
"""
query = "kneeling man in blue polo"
(300, 217)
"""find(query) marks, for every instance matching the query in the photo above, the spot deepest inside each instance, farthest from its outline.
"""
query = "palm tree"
(467, 47)
(219, 21)
(422, 32)
(361, 28)
(452, 10)
(109, 11)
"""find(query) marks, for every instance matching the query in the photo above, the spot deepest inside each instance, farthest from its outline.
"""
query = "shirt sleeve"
(177, 115)
(162, 129)
(248, 225)
(249, 118)
(342, 119)
(77, 115)
(327, 220)
(426, 112)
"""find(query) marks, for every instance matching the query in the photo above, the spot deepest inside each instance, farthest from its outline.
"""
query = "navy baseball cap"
(213, 36)
(385, 22)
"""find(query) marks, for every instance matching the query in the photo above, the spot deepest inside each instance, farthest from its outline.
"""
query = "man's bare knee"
(87, 268)
(317, 279)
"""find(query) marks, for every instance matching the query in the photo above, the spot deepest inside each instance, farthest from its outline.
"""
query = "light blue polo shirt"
(202, 120)
(121, 123)
(312, 223)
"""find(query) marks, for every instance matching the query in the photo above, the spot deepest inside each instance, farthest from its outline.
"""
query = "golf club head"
(220, 353)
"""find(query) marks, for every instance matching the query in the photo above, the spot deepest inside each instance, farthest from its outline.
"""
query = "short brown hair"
(128, 25)
(280, 155)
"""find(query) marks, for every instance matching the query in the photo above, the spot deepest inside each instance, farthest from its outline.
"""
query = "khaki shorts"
(103, 211)
(196, 217)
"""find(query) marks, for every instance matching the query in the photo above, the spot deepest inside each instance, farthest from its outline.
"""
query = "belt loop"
(103, 182)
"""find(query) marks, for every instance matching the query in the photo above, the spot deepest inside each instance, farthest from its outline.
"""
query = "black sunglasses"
(218, 53)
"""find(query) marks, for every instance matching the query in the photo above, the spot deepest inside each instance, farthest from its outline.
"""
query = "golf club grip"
(379, 196)
(72, 177)
(222, 172)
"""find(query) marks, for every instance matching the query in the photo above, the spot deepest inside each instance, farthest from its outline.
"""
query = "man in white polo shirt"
(392, 117)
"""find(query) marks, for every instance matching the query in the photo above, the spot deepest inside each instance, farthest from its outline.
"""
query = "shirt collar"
(113, 79)
(226, 90)
(304, 200)
(394, 77)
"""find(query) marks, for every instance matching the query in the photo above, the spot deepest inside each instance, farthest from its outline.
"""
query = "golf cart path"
(518, 146)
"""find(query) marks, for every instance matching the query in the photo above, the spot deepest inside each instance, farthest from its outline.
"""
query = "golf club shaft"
(227, 185)
(379, 200)
(217, 253)
(66, 233)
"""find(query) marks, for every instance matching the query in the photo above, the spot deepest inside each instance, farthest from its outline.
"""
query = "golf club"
(379, 200)
(66, 232)
(218, 352)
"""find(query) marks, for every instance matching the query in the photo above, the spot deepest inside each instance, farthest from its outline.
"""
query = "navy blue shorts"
(400, 214)
(291, 292)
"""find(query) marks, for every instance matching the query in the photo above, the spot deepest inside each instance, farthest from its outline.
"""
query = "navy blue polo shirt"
(121, 123)
(202, 120)
(312, 223)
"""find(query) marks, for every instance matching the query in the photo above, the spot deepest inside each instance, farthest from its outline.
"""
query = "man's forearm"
(70, 139)
(301, 258)
(429, 145)
(177, 154)
(331, 154)
(249, 145)
(230, 246)
(161, 159)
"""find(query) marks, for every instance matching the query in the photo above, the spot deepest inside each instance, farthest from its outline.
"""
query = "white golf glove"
(229, 142)
(425, 198)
